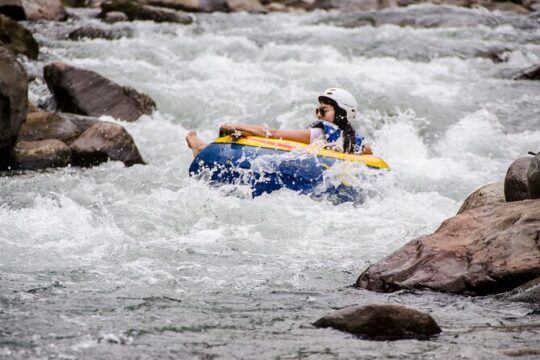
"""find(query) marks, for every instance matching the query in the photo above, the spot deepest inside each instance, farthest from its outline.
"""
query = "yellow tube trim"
(287, 145)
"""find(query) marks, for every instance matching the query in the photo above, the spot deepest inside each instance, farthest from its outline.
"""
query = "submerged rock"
(138, 10)
(33, 155)
(491, 194)
(44, 10)
(533, 177)
(352, 5)
(516, 186)
(102, 142)
(528, 292)
(490, 249)
(382, 322)
(12, 9)
(85, 92)
(87, 32)
(114, 17)
(13, 97)
(17, 38)
(45, 125)
(532, 73)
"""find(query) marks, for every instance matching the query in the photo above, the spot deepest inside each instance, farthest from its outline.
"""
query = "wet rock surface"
(30, 155)
(45, 125)
(490, 194)
(516, 186)
(533, 177)
(85, 92)
(491, 249)
(102, 142)
(17, 38)
(251, 6)
(44, 10)
(193, 5)
(13, 97)
(114, 17)
(138, 10)
(532, 73)
(381, 322)
(88, 32)
(528, 292)
(12, 9)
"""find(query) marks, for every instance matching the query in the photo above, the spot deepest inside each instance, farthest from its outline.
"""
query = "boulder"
(533, 177)
(52, 10)
(193, 5)
(17, 38)
(532, 73)
(85, 92)
(487, 250)
(138, 10)
(45, 125)
(516, 186)
(491, 194)
(276, 7)
(381, 322)
(12, 9)
(90, 32)
(251, 6)
(13, 97)
(102, 142)
(35, 155)
(352, 5)
(114, 17)
(528, 292)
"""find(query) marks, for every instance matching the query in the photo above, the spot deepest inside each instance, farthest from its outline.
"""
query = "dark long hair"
(340, 119)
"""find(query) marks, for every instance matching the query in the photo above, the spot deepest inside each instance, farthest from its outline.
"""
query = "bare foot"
(195, 143)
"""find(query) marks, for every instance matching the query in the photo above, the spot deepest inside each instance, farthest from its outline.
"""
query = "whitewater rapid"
(145, 261)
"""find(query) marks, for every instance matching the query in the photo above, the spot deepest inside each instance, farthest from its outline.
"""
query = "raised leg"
(195, 143)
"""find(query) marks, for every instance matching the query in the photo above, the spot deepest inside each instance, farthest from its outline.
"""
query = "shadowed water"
(115, 262)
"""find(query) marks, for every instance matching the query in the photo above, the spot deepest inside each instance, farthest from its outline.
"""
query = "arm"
(302, 135)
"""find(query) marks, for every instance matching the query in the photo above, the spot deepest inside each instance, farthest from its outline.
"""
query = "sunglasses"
(320, 110)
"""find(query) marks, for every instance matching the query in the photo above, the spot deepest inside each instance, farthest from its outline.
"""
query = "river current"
(146, 262)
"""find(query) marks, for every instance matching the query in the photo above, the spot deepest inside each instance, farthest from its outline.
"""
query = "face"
(328, 111)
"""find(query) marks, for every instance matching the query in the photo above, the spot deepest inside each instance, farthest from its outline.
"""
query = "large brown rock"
(59, 126)
(490, 249)
(90, 32)
(516, 186)
(85, 92)
(381, 322)
(52, 10)
(13, 97)
(251, 6)
(102, 142)
(139, 10)
(35, 155)
(490, 194)
(17, 38)
(12, 9)
(533, 177)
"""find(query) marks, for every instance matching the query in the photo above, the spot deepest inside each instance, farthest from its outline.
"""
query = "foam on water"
(147, 257)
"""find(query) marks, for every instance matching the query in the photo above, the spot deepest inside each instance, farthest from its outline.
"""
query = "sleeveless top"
(331, 133)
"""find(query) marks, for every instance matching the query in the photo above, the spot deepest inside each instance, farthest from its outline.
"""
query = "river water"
(146, 262)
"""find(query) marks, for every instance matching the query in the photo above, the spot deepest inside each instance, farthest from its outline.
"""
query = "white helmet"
(344, 100)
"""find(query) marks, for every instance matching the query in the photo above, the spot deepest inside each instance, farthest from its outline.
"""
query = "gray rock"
(12, 9)
(44, 10)
(35, 155)
(138, 10)
(114, 17)
(45, 125)
(382, 322)
(528, 292)
(533, 177)
(102, 142)
(17, 38)
(491, 194)
(88, 32)
(516, 186)
(13, 97)
(85, 92)
(487, 250)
